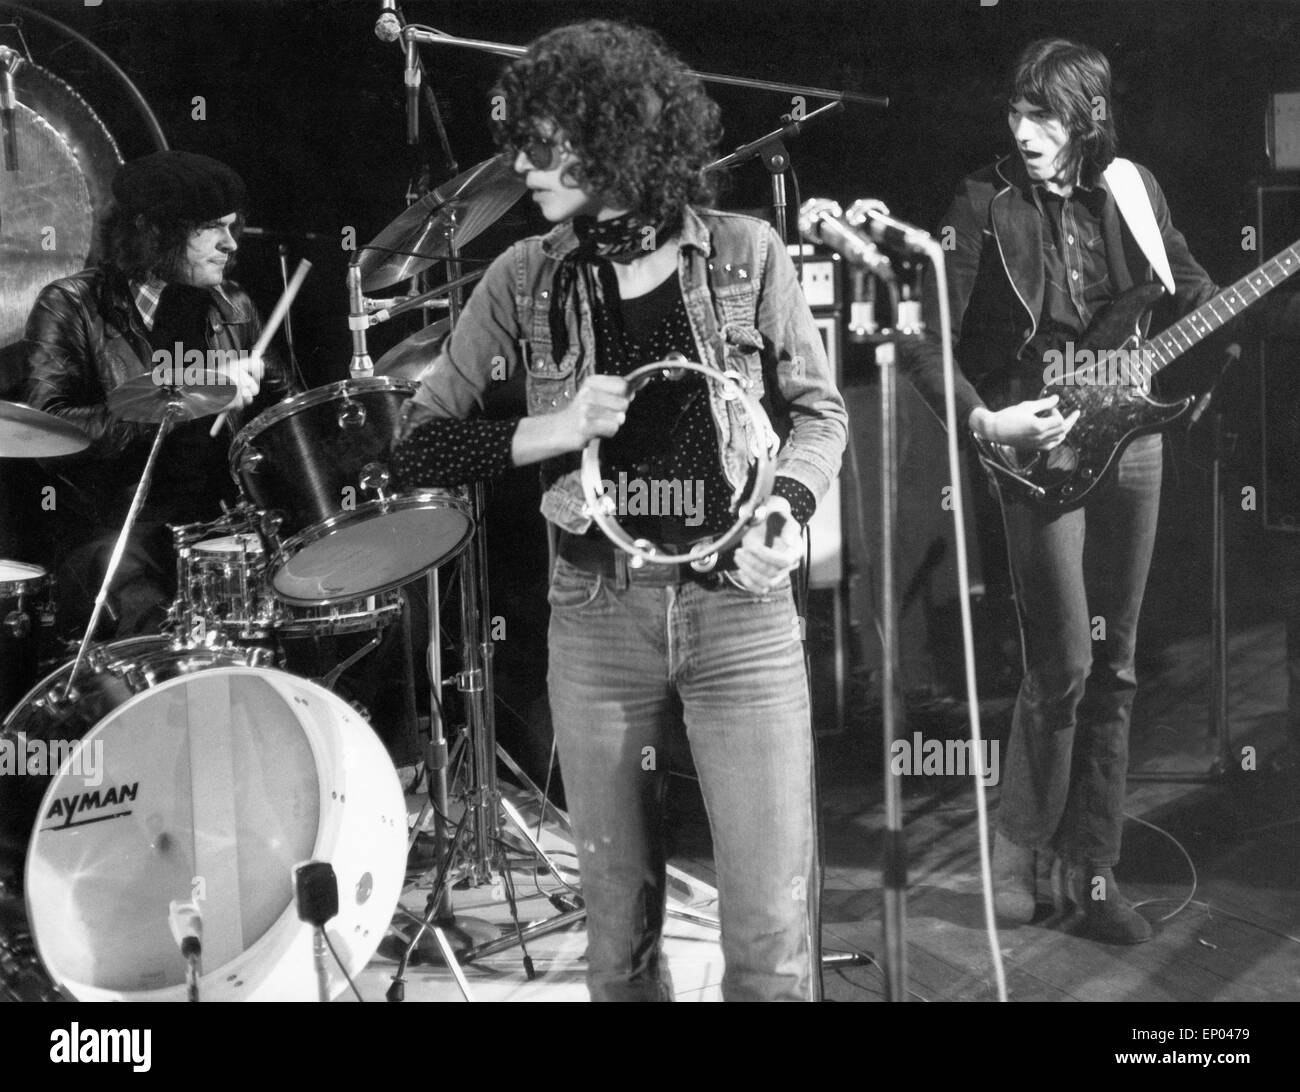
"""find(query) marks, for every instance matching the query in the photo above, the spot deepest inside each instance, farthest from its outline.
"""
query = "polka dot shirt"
(669, 435)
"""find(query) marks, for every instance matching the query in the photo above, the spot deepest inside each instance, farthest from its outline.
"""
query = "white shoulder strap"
(1135, 206)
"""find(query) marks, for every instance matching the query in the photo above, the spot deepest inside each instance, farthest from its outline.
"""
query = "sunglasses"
(542, 152)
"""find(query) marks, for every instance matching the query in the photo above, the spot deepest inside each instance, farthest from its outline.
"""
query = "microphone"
(1232, 354)
(820, 222)
(388, 27)
(872, 217)
(358, 323)
(316, 891)
(11, 61)
(412, 93)
(186, 923)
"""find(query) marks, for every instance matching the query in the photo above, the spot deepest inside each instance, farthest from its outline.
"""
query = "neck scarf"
(589, 270)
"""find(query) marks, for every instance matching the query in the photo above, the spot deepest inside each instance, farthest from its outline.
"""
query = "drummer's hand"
(246, 373)
(759, 567)
(598, 409)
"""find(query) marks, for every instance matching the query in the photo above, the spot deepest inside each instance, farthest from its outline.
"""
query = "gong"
(66, 160)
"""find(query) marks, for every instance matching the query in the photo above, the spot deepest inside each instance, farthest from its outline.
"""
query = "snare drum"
(26, 619)
(197, 774)
(223, 579)
(317, 464)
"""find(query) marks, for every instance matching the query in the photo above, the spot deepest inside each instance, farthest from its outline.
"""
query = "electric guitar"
(1107, 378)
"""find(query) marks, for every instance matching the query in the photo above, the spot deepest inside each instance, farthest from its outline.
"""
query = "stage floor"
(1237, 939)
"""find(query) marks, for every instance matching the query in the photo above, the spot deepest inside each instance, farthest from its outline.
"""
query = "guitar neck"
(1168, 345)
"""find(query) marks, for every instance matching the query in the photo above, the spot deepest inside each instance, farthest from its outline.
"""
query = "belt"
(604, 558)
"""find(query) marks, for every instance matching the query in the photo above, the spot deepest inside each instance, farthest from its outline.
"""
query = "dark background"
(308, 105)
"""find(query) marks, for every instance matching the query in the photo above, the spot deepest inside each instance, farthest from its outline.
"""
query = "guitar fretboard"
(1175, 340)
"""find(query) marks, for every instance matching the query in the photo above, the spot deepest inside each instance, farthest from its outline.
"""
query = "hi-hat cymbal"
(145, 399)
(471, 202)
(408, 358)
(28, 433)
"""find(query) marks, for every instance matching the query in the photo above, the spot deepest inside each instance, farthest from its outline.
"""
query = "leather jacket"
(747, 313)
(84, 337)
(992, 237)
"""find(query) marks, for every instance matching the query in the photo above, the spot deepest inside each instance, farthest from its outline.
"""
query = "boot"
(1014, 880)
(1107, 914)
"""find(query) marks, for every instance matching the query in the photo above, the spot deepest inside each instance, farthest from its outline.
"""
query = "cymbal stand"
(175, 410)
(480, 820)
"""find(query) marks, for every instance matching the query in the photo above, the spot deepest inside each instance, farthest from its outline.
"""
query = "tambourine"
(763, 444)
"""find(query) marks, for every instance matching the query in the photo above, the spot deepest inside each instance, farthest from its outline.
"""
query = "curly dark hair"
(141, 247)
(640, 123)
(1072, 81)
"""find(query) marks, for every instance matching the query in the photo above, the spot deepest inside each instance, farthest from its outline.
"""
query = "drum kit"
(217, 766)
(199, 765)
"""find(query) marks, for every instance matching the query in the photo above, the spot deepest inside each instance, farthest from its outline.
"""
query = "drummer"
(159, 302)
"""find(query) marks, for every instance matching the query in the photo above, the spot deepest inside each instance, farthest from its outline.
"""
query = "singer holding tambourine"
(635, 271)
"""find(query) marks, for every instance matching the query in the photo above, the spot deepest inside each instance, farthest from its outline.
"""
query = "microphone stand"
(424, 35)
(771, 147)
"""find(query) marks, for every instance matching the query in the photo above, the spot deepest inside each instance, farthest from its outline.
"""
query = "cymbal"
(408, 358)
(144, 399)
(472, 201)
(28, 433)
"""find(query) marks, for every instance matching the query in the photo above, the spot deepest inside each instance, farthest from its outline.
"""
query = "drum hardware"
(330, 679)
(763, 444)
(143, 399)
(361, 366)
(473, 849)
(481, 818)
(381, 310)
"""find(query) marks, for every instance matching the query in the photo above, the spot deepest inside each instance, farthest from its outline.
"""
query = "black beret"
(169, 186)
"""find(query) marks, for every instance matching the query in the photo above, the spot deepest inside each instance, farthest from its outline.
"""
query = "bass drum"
(196, 774)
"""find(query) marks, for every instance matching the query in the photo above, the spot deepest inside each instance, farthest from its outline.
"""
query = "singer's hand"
(759, 567)
(246, 374)
(597, 410)
(1035, 425)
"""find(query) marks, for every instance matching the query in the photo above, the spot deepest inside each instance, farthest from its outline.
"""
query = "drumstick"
(272, 324)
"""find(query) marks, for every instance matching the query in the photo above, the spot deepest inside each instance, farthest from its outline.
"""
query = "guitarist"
(1037, 245)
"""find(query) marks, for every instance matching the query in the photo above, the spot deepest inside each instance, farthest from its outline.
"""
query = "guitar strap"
(1134, 204)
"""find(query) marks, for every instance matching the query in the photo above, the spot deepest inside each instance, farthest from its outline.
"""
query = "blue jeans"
(618, 658)
(1079, 579)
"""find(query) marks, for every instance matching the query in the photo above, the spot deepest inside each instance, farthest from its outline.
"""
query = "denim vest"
(747, 317)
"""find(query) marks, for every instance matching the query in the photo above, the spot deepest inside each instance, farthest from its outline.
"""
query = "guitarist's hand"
(1035, 425)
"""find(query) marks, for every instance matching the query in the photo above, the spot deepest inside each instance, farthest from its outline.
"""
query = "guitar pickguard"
(1110, 418)
(1111, 386)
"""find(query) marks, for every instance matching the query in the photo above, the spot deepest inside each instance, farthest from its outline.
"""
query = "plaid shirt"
(147, 295)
